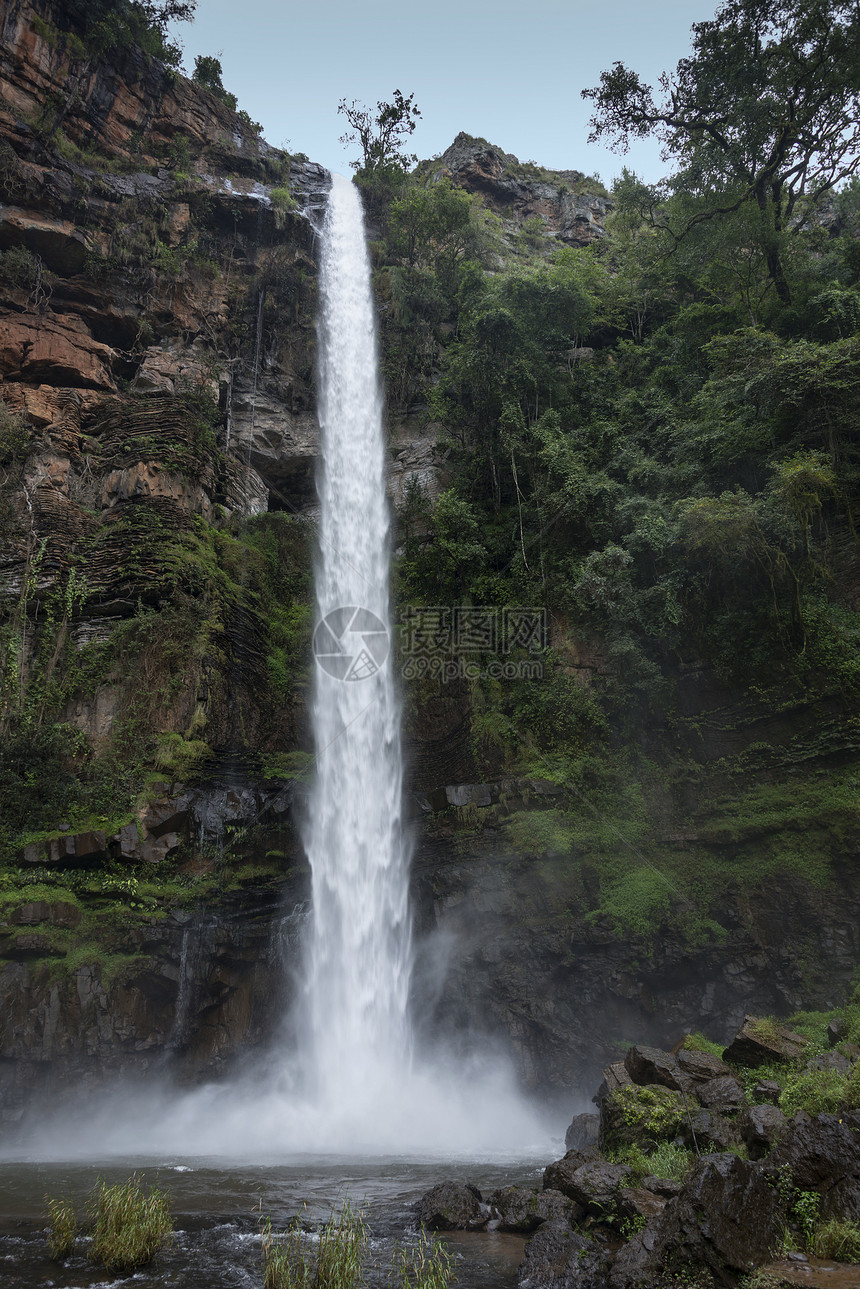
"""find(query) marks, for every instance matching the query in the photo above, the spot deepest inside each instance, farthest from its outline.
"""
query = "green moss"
(697, 1042)
(642, 1116)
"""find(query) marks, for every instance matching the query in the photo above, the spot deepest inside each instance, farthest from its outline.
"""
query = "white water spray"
(358, 979)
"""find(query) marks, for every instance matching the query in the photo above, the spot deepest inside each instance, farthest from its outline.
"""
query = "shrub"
(837, 1239)
(63, 1227)
(130, 1226)
(815, 1091)
(283, 203)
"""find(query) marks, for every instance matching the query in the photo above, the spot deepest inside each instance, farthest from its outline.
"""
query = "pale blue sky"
(510, 72)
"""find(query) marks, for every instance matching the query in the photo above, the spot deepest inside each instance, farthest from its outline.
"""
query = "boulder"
(761, 1126)
(707, 1131)
(595, 1186)
(701, 1066)
(522, 1210)
(641, 1116)
(758, 1042)
(650, 1065)
(634, 1263)
(614, 1076)
(665, 1187)
(723, 1094)
(727, 1218)
(559, 1175)
(558, 1257)
(823, 1154)
(451, 1206)
(830, 1061)
(639, 1202)
(767, 1090)
(584, 1132)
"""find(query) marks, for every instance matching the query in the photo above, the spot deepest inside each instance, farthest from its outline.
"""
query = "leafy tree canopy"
(382, 134)
(765, 110)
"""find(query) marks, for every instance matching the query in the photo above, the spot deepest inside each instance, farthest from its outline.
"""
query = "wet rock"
(702, 1066)
(452, 1206)
(595, 1186)
(558, 1176)
(836, 1030)
(767, 1090)
(759, 1042)
(665, 1187)
(641, 1116)
(727, 1218)
(761, 1126)
(708, 1131)
(522, 1210)
(639, 1202)
(583, 1132)
(649, 1065)
(723, 1094)
(830, 1061)
(634, 1263)
(557, 1257)
(614, 1076)
(823, 1154)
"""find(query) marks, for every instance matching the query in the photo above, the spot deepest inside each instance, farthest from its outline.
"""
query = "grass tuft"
(837, 1239)
(130, 1226)
(63, 1227)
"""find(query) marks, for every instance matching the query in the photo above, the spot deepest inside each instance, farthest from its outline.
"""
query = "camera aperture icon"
(351, 643)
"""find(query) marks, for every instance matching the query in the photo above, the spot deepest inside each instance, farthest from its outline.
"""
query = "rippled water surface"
(216, 1208)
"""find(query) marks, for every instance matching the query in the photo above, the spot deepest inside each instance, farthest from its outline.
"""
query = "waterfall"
(360, 953)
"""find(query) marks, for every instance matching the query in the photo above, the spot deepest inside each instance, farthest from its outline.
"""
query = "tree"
(382, 135)
(765, 110)
(208, 72)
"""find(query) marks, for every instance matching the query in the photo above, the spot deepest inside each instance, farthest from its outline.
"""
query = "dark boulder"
(557, 1176)
(723, 1094)
(665, 1187)
(557, 1257)
(823, 1154)
(595, 1186)
(522, 1210)
(638, 1202)
(766, 1090)
(652, 1065)
(641, 1116)
(584, 1131)
(701, 1066)
(452, 1206)
(728, 1218)
(761, 1126)
(758, 1042)
(707, 1131)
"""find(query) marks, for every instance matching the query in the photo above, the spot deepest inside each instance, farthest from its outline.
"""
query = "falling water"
(352, 1088)
(358, 977)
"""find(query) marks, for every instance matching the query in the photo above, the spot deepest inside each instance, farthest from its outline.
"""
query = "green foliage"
(335, 1263)
(662, 1160)
(109, 27)
(283, 204)
(422, 1263)
(643, 1116)
(836, 1238)
(815, 1091)
(699, 1043)
(208, 72)
(130, 1225)
(63, 1227)
(381, 134)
